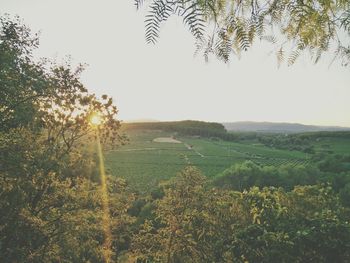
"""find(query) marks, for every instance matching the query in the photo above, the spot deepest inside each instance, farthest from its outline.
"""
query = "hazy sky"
(166, 82)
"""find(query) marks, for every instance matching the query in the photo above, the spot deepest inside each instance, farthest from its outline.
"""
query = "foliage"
(245, 175)
(193, 223)
(175, 211)
(293, 226)
(291, 142)
(309, 142)
(241, 177)
(51, 207)
(161, 10)
(192, 128)
(21, 80)
(344, 195)
(292, 27)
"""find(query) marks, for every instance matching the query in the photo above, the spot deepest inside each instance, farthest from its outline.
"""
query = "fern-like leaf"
(293, 57)
(242, 37)
(345, 21)
(270, 39)
(138, 3)
(280, 56)
(160, 11)
(223, 47)
(193, 18)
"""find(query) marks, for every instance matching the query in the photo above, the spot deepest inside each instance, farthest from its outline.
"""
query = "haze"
(166, 82)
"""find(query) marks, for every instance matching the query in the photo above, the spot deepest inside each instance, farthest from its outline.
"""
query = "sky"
(167, 82)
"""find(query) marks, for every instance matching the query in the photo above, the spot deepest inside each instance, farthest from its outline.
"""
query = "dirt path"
(134, 150)
(166, 139)
(161, 140)
(192, 149)
(172, 140)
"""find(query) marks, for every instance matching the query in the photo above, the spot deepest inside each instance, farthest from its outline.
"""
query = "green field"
(333, 145)
(144, 163)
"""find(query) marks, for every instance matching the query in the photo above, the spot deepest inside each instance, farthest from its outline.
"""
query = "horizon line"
(223, 122)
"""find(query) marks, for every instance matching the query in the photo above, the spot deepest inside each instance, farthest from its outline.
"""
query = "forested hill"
(223, 131)
(187, 127)
(279, 127)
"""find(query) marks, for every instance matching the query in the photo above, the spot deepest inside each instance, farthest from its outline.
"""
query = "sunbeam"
(105, 204)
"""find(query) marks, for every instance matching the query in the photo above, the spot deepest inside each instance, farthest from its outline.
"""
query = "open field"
(333, 145)
(144, 162)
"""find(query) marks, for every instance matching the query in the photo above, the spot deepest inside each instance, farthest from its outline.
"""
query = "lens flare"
(96, 119)
(105, 205)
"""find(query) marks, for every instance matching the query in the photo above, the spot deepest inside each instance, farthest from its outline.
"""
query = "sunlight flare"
(105, 203)
(96, 119)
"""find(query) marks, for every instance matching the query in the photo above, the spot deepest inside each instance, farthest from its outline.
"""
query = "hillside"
(279, 127)
(186, 127)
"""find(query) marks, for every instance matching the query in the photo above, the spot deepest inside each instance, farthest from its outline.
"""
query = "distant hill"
(187, 127)
(140, 121)
(278, 127)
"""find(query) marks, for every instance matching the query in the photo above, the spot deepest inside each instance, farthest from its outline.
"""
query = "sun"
(95, 119)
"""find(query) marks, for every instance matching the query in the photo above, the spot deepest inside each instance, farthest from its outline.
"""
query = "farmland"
(333, 145)
(144, 162)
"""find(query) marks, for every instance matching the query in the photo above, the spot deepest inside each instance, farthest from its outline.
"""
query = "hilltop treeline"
(188, 127)
(241, 177)
(300, 141)
(324, 134)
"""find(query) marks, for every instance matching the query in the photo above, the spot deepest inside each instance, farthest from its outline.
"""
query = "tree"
(190, 224)
(50, 206)
(226, 27)
(172, 236)
(22, 81)
(195, 223)
(307, 224)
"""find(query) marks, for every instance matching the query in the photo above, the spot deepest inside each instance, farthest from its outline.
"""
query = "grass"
(333, 145)
(144, 163)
